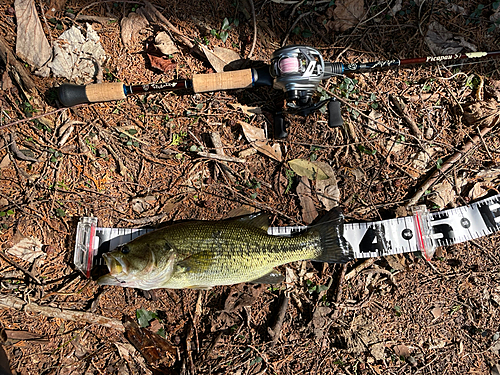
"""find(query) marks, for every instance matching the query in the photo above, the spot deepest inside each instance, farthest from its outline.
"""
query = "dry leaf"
(442, 42)
(31, 45)
(308, 169)
(347, 14)
(402, 351)
(77, 58)
(327, 190)
(486, 113)
(436, 312)
(162, 63)
(131, 26)
(6, 82)
(249, 111)
(309, 212)
(443, 194)
(220, 57)
(257, 139)
(165, 44)
(28, 249)
(5, 161)
(480, 189)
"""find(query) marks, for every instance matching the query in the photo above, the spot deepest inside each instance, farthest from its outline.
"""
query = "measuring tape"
(423, 231)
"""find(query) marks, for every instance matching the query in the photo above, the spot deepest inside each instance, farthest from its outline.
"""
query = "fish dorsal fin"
(258, 220)
(273, 277)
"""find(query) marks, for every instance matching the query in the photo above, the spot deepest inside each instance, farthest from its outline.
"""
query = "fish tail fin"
(334, 247)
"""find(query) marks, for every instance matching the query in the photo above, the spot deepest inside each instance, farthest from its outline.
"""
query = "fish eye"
(125, 250)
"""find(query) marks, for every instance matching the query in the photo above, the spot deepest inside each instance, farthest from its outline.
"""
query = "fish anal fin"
(273, 277)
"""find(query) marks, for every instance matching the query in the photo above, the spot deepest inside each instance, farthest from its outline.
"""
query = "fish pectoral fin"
(197, 262)
(273, 277)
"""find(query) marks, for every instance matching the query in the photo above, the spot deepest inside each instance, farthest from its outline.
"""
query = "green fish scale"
(223, 253)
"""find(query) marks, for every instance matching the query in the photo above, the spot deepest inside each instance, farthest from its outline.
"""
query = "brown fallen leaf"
(162, 63)
(6, 83)
(347, 14)
(165, 44)
(402, 351)
(444, 194)
(309, 212)
(327, 190)
(220, 57)
(131, 26)
(257, 138)
(27, 248)
(32, 45)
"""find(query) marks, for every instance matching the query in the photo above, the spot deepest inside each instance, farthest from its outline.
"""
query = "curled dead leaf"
(131, 26)
(258, 140)
(162, 63)
(165, 44)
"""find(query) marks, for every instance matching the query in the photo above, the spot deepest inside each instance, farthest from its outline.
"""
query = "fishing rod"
(295, 70)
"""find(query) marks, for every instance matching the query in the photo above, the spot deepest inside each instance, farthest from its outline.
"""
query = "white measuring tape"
(423, 232)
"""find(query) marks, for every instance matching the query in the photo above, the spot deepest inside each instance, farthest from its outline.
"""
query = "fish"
(204, 254)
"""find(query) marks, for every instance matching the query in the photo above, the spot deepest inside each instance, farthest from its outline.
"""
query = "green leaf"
(162, 333)
(306, 168)
(439, 163)
(60, 212)
(225, 24)
(132, 131)
(10, 212)
(193, 148)
(3, 213)
(223, 36)
(144, 317)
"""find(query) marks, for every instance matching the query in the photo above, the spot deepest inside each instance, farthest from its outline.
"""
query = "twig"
(254, 41)
(39, 116)
(53, 312)
(231, 159)
(167, 25)
(21, 76)
(450, 163)
(401, 108)
(293, 26)
(274, 332)
(12, 262)
(356, 271)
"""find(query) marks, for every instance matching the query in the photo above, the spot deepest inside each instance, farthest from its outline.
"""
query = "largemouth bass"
(202, 254)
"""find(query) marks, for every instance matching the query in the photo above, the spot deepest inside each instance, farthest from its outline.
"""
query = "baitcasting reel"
(298, 71)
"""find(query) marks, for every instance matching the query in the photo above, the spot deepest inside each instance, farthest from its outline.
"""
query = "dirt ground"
(135, 163)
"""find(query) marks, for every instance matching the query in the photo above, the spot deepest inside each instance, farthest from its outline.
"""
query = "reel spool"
(298, 71)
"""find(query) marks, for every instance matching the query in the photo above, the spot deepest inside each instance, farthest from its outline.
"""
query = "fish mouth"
(115, 265)
(117, 270)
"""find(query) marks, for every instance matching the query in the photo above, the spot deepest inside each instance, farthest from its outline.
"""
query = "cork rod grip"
(70, 94)
(238, 79)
